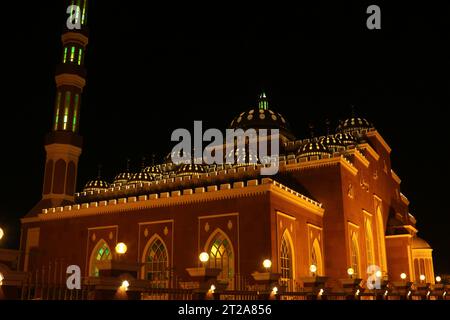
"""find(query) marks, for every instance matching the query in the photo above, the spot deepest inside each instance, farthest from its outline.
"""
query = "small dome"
(354, 123)
(345, 138)
(242, 157)
(419, 243)
(190, 169)
(313, 148)
(141, 177)
(154, 170)
(122, 178)
(96, 185)
(331, 141)
(262, 117)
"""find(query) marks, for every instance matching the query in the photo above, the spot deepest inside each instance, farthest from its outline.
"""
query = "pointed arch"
(155, 260)
(287, 256)
(354, 255)
(101, 252)
(221, 255)
(381, 239)
(316, 257)
(369, 243)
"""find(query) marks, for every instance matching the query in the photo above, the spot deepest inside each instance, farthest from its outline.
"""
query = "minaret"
(63, 144)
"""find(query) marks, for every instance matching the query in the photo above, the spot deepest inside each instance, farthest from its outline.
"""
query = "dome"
(190, 169)
(346, 138)
(354, 123)
(262, 117)
(141, 177)
(242, 157)
(122, 178)
(313, 148)
(419, 243)
(154, 170)
(331, 141)
(96, 185)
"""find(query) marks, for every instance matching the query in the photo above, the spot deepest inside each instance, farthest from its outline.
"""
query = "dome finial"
(153, 159)
(143, 162)
(353, 111)
(99, 171)
(128, 164)
(328, 123)
(263, 103)
(311, 129)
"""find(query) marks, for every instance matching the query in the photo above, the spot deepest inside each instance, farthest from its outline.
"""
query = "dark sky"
(153, 68)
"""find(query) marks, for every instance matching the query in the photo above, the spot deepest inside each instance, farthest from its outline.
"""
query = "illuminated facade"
(335, 203)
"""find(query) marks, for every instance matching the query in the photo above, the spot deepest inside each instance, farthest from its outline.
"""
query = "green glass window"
(58, 102)
(72, 54)
(83, 12)
(103, 253)
(65, 55)
(66, 110)
(80, 56)
(75, 112)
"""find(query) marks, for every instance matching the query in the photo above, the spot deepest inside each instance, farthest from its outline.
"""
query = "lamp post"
(267, 264)
(350, 272)
(204, 258)
(313, 269)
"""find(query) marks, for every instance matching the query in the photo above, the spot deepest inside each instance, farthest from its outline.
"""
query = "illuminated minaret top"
(70, 73)
(63, 144)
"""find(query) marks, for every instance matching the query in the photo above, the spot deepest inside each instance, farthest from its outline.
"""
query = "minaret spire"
(63, 144)
(263, 102)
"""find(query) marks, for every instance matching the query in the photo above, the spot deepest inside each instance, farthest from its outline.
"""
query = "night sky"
(154, 68)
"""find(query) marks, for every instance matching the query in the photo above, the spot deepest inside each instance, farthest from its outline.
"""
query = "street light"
(438, 279)
(403, 276)
(2, 233)
(267, 264)
(121, 248)
(378, 274)
(125, 285)
(350, 272)
(1, 279)
(422, 278)
(313, 269)
(204, 258)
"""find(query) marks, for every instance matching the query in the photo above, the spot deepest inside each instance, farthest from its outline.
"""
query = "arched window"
(355, 254)
(369, 243)
(101, 252)
(286, 257)
(381, 241)
(221, 256)
(157, 261)
(316, 257)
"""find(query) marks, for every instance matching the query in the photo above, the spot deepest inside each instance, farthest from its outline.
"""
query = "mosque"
(336, 203)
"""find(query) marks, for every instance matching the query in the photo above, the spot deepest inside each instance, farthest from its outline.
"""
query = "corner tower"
(63, 144)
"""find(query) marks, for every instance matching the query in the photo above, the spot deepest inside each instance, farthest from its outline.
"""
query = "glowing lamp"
(403, 276)
(204, 257)
(121, 248)
(313, 268)
(267, 264)
(2, 233)
(422, 277)
(378, 274)
(274, 290)
(125, 285)
(1, 279)
(350, 272)
(438, 279)
(212, 288)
